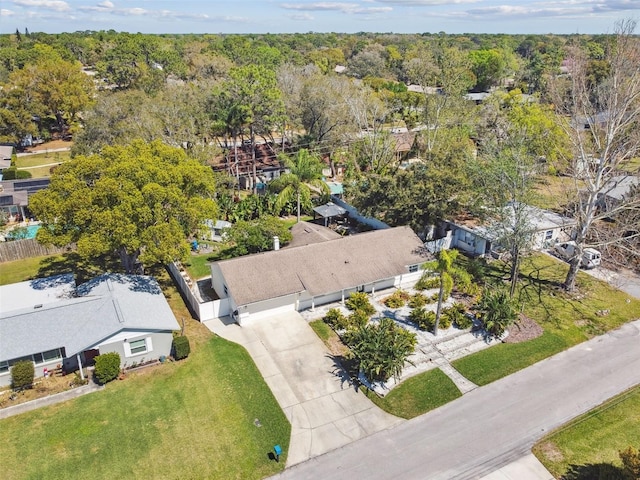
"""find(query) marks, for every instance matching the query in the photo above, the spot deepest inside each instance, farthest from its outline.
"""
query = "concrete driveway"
(325, 411)
(624, 280)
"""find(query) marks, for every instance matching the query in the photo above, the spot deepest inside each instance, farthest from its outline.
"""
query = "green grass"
(567, 318)
(323, 330)
(417, 395)
(192, 419)
(38, 159)
(593, 438)
(290, 222)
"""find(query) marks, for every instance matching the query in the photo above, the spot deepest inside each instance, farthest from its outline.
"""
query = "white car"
(591, 257)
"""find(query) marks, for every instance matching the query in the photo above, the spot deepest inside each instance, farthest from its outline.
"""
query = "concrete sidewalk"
(326, 412)
(49, 400)
(526, 468)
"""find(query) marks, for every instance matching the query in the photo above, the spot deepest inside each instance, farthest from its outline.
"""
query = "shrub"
(357, 319)
(360, 301)
(456, 315)
(630, 458)
(12, 173)
(336, 319)
(424, 319)
(381, 349)
(107, 367)
(181, 347)
(427, 281)
(497, 311)
(22, 374)
(445, 321)
(418, 300)
(397, 299)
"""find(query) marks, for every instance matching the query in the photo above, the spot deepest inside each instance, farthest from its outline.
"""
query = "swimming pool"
(32, 230)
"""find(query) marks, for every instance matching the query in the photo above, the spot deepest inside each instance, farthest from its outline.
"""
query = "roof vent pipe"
(276, 243)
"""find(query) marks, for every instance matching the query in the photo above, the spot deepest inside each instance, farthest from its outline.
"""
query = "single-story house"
(298, 278)
(14, 196)
(617, 190)
(51, 322)
(305, 233)
(6, 152)
(216, 230)
(482, 239)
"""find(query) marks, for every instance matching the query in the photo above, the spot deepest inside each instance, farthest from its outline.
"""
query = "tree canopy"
(142, 201)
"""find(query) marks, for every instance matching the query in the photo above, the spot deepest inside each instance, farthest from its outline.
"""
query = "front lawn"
(580, 447)
(210, 416)
(567, 318)
(417, 395)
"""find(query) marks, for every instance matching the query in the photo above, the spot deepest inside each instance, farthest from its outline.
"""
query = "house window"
(138, 346)
(4, 367)
(51, 355)
(413, 268)
(548, 235)
(226, 291)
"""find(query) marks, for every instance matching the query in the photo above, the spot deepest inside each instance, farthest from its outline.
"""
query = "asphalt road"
(492, 425)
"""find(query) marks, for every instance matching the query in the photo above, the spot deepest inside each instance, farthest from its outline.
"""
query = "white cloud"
(6, 13)
(335, 6)
(300, 16)
(106, 4)
(56, 5)
(426, 3)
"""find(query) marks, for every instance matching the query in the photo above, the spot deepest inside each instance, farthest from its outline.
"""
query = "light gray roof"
(106, 305)
(329, 210)
(40, 291)
(324, 267)
(619, 186)
(6, 151)
(305, 233)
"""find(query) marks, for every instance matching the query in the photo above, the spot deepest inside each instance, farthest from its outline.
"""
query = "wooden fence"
(27, 248)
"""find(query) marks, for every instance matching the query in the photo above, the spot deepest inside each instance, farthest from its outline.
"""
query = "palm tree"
(444, 265)
(305, 175)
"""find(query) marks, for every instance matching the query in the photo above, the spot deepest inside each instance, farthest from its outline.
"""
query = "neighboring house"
(298, 278)
(404, 142)
(239, 163)
(52, 322)
(14, 196)
(216, 230)
(6, 152)
(618, 190)
(481, 239)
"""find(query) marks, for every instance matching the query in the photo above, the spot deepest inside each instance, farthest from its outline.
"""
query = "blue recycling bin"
(278, 450)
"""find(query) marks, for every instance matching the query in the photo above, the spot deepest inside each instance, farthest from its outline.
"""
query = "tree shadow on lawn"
(83, 269)
(593, 471)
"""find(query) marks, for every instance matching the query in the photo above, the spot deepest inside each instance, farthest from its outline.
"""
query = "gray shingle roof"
(324, 267)
(104, 306)
(305, 233)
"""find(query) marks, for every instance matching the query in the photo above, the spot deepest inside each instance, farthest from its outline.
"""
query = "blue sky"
(349, 16)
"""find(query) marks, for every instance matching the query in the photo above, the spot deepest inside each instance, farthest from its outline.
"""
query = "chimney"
(276, 243)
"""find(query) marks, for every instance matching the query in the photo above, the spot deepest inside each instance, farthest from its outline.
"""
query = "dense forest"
(487, 118)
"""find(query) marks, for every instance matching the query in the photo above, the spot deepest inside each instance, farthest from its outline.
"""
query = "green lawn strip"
(503, 359)
(290, 222)
(192, 419)
(417, 395)
(595, 437)
(567, 318)
(38, 159)
(323, 330)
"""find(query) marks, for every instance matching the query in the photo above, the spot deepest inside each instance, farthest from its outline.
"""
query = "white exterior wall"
(217, 281)
(267, 308)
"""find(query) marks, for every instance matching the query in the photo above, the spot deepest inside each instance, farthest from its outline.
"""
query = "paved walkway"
(49, 400)
(326, 412)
